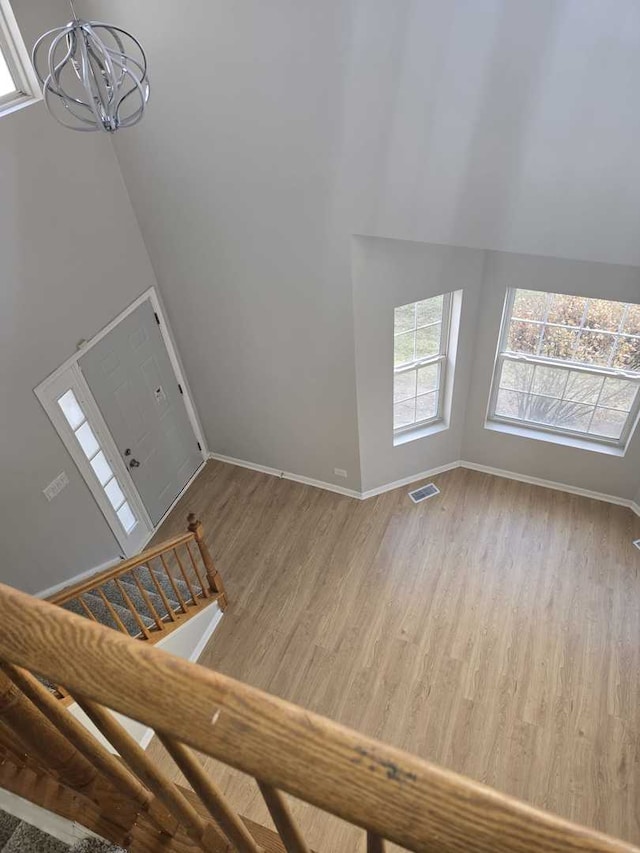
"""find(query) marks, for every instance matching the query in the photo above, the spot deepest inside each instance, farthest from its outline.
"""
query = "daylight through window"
(421, 331)
(568, 364)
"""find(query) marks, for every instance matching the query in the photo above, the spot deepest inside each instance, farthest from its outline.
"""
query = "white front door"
(131, 377)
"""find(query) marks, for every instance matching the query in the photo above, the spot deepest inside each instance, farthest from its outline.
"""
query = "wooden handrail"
(77, 589)
(386, 791)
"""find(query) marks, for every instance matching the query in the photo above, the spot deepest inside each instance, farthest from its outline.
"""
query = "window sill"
(555, 438)
(419, 432)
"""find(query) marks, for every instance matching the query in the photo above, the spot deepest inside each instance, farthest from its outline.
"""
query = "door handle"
(134, 463)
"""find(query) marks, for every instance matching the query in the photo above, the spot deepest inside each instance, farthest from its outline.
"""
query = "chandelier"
(93, 75)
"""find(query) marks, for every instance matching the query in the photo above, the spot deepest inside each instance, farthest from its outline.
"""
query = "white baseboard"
(423, 475)
(406, 481)
(64, 830)
(52, 590)
(547, 484)
(286, 475)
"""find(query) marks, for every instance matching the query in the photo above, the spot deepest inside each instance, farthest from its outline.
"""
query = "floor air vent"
(423, 493)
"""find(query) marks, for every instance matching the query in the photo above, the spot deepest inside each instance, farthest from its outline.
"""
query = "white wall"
(72, 258)
(278, 131)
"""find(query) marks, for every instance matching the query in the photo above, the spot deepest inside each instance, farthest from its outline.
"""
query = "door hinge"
(180, 388)
(199, 445)
(157, 318)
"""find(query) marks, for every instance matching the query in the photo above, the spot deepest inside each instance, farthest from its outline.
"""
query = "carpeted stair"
(17, 836)
(110, 589)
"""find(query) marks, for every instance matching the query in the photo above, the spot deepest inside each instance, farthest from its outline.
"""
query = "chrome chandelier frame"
(93, 75)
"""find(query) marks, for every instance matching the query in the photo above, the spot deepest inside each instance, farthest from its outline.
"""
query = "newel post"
(215, 581)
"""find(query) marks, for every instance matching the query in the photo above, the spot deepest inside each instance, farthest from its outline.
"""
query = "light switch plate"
(56, 486)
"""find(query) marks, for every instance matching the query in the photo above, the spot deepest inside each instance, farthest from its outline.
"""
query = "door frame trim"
(71, 372)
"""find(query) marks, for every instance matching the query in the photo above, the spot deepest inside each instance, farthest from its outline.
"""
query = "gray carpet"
(117, 600)
(16, 836)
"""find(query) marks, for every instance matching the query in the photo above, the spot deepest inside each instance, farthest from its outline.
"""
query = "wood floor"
(493, 629)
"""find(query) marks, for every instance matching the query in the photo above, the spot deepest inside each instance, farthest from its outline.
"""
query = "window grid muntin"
(605, 371)
(439, 358)
(124, 504)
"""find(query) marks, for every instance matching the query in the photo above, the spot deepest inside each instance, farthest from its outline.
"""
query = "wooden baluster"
(145, 596)
(112, 612)
(211, 795)
(43, 741)
(375, 844)
(281, 815)
(139, 762)
(203, 586)
(215, 581)
(185, 576)
(161, 592)
(105, 763)
(132, 609)
(89, 613)
(174, 586)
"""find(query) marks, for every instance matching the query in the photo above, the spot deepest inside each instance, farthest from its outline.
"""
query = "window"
(18, 83)
(569, 365)
(420, 337)
(86, 438)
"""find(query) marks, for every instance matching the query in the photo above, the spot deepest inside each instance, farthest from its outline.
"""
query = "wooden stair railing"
(184, 561)
(388, 793)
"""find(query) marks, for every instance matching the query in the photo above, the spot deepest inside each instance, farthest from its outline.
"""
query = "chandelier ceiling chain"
(93, 75)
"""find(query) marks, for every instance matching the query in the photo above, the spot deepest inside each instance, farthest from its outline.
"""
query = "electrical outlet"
(340, 472)
(56, 486)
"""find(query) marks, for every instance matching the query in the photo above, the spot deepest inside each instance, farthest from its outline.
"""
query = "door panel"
(132, 379)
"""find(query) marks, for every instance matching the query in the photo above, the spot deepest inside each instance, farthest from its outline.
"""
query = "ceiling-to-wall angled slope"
(277, 131)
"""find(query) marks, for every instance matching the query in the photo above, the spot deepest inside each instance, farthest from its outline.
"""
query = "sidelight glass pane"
(114, 493)
(101, 467)
(71, 409)
(87, 440)
(127, 518)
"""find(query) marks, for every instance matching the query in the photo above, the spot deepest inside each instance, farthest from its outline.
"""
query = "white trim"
(68, 831)
(150, 294)
(407, 481)
(48, 393)
(286, 475)
(547, 484)
(70, 373)
(432, 472)
(18, 61)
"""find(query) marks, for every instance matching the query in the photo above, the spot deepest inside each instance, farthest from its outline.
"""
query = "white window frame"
(17, 58)
(576, 367)
(440, 358)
